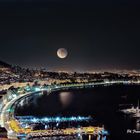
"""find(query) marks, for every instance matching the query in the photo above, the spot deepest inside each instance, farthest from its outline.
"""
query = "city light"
(21, 123)
(52, 119)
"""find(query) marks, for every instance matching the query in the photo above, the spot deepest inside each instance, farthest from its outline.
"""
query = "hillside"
(4, 65)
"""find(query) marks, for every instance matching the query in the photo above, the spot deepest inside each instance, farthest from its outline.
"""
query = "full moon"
(62, 53)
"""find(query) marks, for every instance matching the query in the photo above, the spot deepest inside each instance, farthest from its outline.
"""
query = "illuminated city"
(16, 93)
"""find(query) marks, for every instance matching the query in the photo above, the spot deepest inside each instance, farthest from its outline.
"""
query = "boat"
(135, 111)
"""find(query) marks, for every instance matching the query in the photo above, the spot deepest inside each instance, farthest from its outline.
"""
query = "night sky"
(99, 35)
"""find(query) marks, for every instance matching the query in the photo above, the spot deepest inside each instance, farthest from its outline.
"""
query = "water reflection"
(66, 98)
(88, 137)
(138, 124)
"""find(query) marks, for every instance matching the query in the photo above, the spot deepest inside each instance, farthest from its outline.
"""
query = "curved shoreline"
(11, 104)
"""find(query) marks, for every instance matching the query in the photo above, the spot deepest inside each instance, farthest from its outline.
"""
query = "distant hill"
(4, 65)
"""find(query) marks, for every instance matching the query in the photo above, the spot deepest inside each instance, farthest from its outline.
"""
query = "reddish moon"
(62, 53)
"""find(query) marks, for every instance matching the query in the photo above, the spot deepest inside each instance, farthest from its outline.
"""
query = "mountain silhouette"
(4, 65)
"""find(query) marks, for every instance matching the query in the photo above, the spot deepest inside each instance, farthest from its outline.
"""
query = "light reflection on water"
(138, 126)
(72, 137)
(66, 98)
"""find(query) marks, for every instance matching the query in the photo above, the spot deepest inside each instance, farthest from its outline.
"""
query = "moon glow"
(62, 53)
(66, 98)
